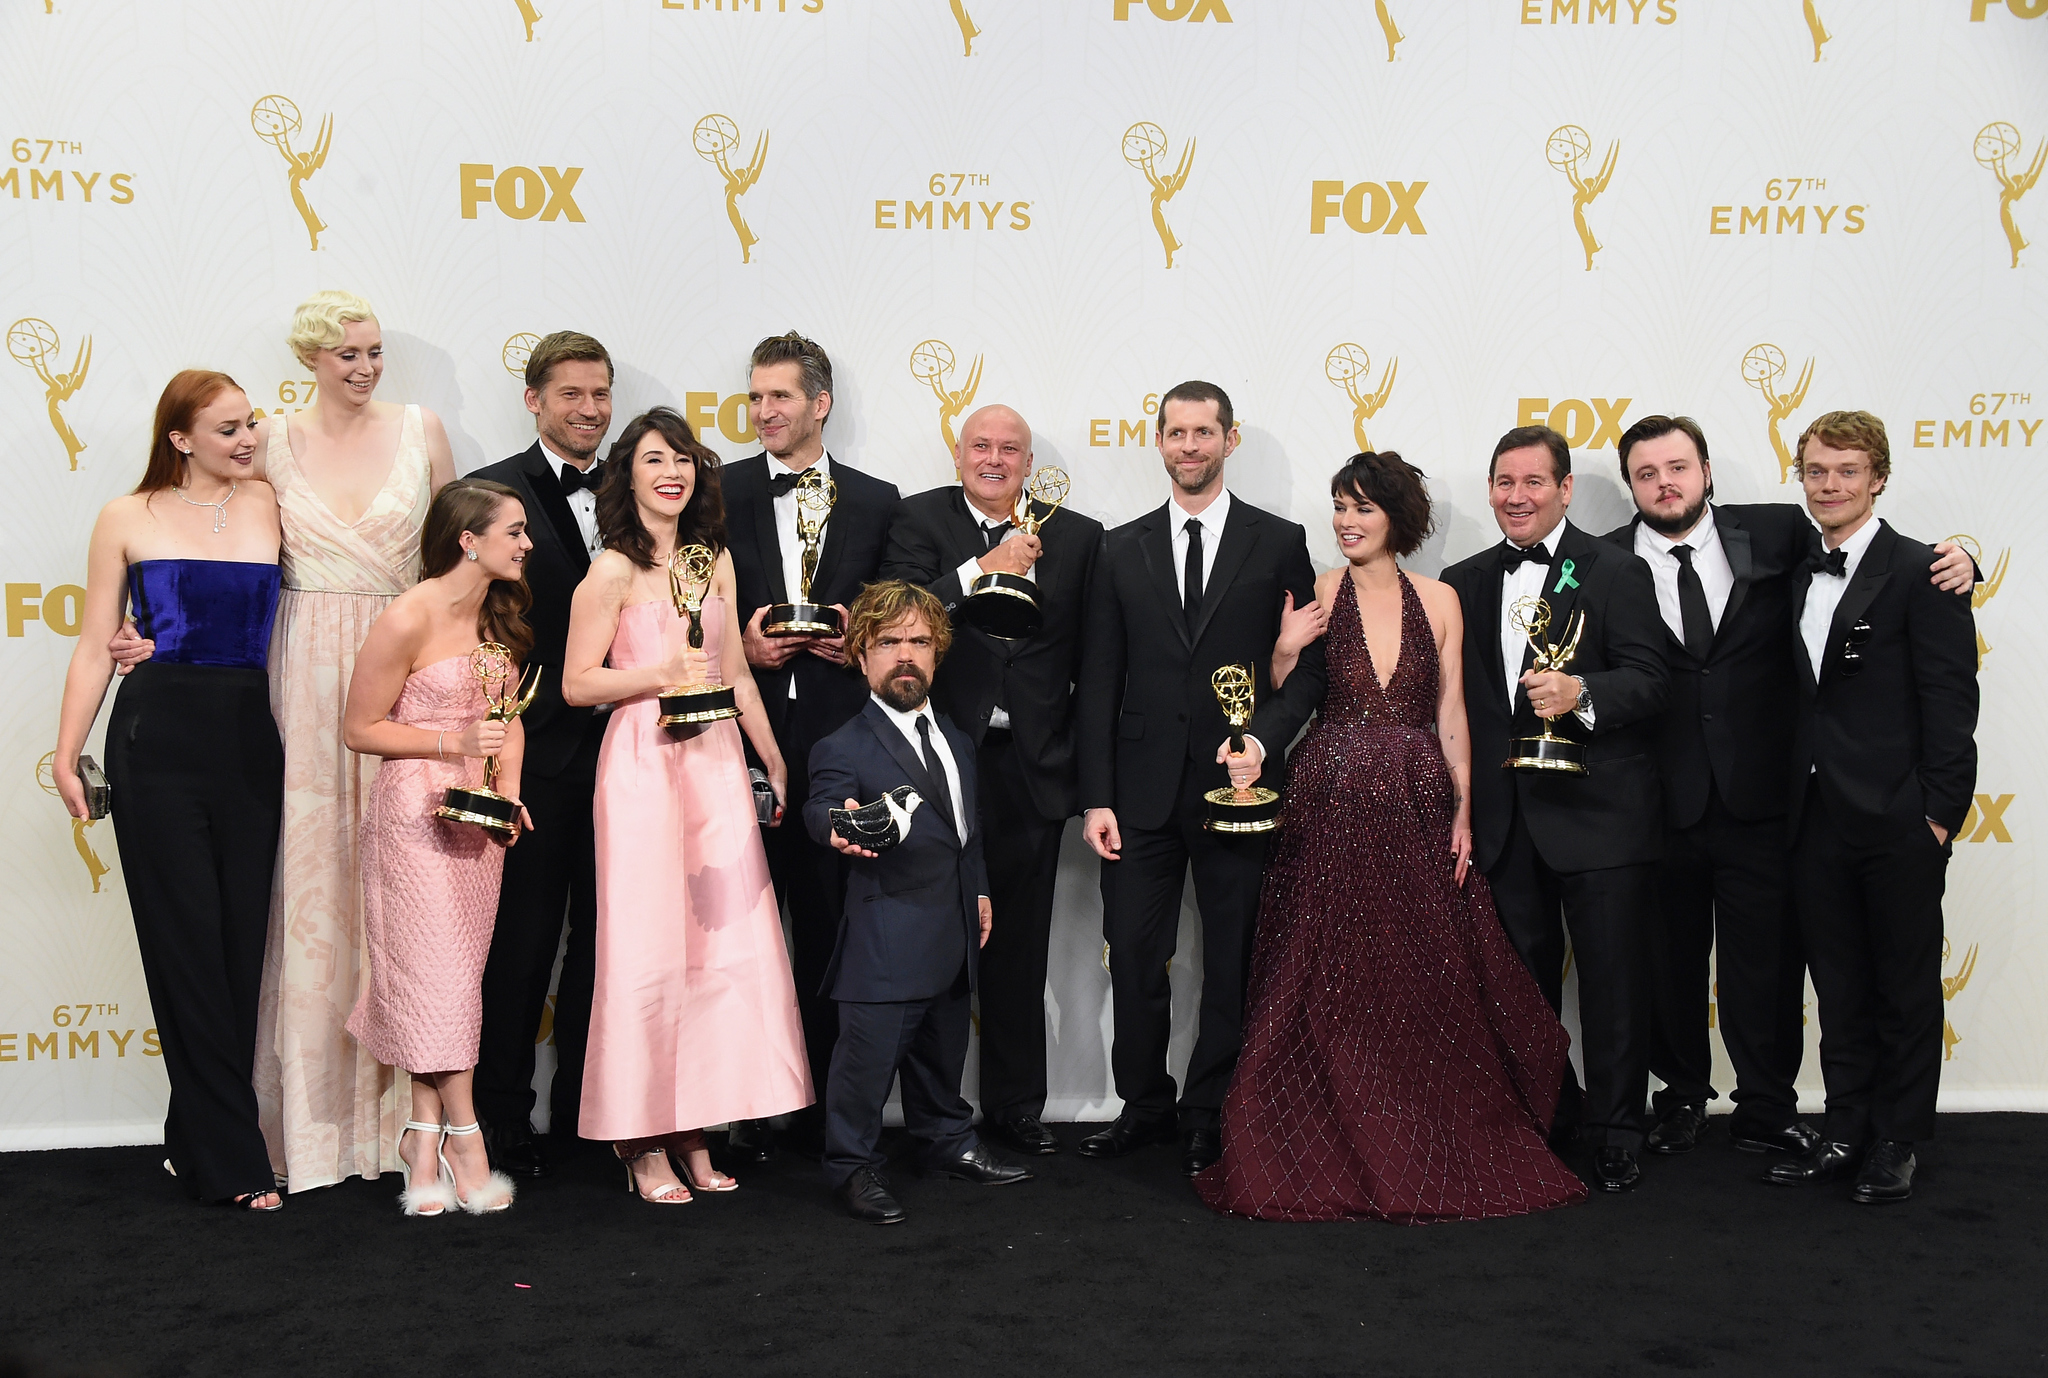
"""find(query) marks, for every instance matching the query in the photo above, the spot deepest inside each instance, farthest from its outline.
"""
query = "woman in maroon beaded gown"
(1399, 1061)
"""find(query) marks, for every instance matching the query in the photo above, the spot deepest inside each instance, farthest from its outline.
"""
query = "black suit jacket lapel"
(752, 478)
(1741, 560)
(1157, 543)
(554, 504)
(1487, 572)
(898, 747)
(1802, 583)
(1871, 573)
(1240, 534)
(1562, 588)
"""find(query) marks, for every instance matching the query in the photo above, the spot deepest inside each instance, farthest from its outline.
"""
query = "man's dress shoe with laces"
(1027, 1134)
(1827, 1162)
(1797, 1138)
(1679, 1131)
(1127, 1134)
(866, 1197)
(1615, 1169)
(1199, 1148)
(981, 1167)
(514, 1151)
(750, 1141)
(1887, 1174)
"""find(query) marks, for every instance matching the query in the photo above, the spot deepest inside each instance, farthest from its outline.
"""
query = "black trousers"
(550, 879)
(1606, 913)
(811, 881)
(1869, 906)
(925, 1041)
(1022, 849)
(197, 774)
(1725, 887)
(1140, 921)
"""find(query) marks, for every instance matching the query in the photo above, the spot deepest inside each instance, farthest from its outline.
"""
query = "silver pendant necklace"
(220, 509)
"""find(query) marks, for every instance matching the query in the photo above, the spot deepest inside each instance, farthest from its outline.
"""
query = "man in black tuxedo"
(1194, 585)
(1015, 700)
(554, 869)
(1884, 759)
(1559, 850)
(1724, 578)
(903, 959)
(804, 682)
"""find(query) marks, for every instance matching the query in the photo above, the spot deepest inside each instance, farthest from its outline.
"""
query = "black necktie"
(1191, 576)
(1692, 606)
(575, 480)
(992, 533)
(1514, 559)
(1835, 562)
(942, 793)
(786, 481)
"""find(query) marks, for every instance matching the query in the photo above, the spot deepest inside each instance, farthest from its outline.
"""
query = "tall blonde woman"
(353, 478)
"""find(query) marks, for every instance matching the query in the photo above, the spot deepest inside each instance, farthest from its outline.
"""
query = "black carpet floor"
(1093, 1268)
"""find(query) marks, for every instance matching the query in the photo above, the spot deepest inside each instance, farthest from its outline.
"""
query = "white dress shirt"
(970, 570)
(1709, 561)
(906, 723)
(786, 537)
(1824, 595)
(582, 503)
(1211, 518)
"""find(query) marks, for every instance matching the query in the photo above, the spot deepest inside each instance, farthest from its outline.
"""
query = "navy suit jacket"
(913, 912)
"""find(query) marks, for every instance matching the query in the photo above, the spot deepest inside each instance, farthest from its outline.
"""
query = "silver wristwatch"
(1585, 703)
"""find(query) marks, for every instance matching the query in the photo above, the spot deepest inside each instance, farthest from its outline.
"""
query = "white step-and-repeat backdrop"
(1406, 223)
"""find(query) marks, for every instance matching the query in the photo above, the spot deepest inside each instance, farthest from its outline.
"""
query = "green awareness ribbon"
(1564, 579)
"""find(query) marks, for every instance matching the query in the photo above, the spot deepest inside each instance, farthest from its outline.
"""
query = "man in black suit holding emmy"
(553, 870)
(804, 682)
(1014, 698)
(1194, 585)
(916, 915)
(1563, 850)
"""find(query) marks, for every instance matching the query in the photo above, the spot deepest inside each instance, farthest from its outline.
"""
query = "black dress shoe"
(1797, 1138)
(1615, 1169)
(866, 1197)
(1129, 1132)
(1825, 1162)
(750, 1141)
(1199, 1148)
(1887, 1174)
(514, 1151)
(1679, 1131)
(979, 1166)
(1026, 1134)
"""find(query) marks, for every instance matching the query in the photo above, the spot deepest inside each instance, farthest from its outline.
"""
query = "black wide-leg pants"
(1022, 849)
(197, 773)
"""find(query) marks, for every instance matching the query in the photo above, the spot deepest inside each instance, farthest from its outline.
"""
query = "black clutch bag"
(880, 825)
(764, 796)
(99, 798)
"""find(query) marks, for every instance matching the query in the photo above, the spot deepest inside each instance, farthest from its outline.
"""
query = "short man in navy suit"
(915, 917)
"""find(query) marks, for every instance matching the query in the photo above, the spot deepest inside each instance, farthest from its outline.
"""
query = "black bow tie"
(1835, 562)
(574, 479)
(786, 482)
(1514, 559)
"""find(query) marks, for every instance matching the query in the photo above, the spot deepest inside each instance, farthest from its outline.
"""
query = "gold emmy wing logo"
(516, 352)
(1349, 367)
(1568, 148)
(1763, 368)
(1951, 986)
(531, 15)
(931, 363)
(1997, 142)
(1388, 27)
(1817, 29)
(1144, 144)
(275, 119)
(716, 136)
(968, 33)
(34, 343)
(1987, 590)
(94, 867)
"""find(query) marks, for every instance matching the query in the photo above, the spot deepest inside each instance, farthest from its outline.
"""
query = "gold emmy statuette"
(1233, 810)
(1547, 751)
(33, 343)
(1569, 146)
(275, 119)
(1006, 605)
(1144, 145)
(1350, 368)
(815, 495)
(931, 363)
(1763, 368)
(518, 349)
(716, 138)
(1996, 142)
(506, 699)
(689, 579)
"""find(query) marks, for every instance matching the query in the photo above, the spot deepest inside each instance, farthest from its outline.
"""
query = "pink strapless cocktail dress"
(430, 890)
(694, 1019)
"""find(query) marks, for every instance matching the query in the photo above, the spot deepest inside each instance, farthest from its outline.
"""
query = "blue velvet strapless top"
(205, 612)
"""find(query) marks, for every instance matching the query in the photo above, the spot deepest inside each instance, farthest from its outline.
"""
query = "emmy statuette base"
(1254, 810)
(483, 807)
(801, 619)
(1003, 605)
(1559, 755)
(707, 703)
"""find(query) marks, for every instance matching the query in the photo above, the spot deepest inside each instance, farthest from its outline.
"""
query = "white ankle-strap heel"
(436, 1197)
(495, 1195)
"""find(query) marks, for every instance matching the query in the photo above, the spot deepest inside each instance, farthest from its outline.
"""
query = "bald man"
(1015, 699)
